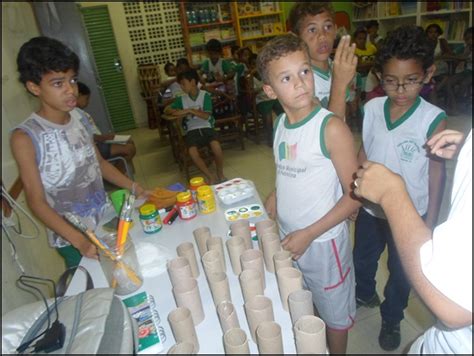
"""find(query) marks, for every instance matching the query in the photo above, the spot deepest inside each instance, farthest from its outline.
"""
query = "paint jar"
(194, 184)
(120, 265)
(206, 200)
(186, 206)
(150, 219)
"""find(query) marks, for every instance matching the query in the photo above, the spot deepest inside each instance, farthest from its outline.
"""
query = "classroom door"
(109, 68)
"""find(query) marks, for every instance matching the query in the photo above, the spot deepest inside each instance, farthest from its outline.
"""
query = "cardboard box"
(267, 28)
(277, 27)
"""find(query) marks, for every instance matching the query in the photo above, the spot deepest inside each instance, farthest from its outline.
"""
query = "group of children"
(314, 152)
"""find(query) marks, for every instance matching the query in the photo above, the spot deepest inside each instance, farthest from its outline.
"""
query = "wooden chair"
(149, 78)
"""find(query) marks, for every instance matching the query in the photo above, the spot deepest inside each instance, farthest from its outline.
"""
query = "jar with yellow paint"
(206, 199)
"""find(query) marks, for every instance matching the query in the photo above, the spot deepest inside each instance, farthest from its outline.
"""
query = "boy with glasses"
(395, 129)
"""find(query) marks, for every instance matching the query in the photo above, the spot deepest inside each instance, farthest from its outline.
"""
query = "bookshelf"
(454, 17)
(257, 22)
(202, 21)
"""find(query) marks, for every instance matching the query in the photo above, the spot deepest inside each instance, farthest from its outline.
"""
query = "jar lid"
(183, 197)
(196, 181)
(147, 209)
(204, 189)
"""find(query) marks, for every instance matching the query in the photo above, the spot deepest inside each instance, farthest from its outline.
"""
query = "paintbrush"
(125, 221)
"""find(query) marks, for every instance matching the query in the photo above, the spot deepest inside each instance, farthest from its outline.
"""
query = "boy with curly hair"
(395, 129)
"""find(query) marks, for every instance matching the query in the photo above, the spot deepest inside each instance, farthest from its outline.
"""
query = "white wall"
(18, 26)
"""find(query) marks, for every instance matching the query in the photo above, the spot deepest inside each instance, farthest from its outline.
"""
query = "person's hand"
(345, 61)
(270, 206)
(446, 143)
(88, 249)
(297, 242)
(374, 182)
(140, 192)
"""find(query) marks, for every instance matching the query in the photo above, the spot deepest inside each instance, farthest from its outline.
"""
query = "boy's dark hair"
(276, 48)
(372, 23)
(189, 74)
(41, 55)
(303, 9)
(436, 26)
(214, 45)
(181, 61)
(406, 42)
(168, 65)
(360, 30)
(467, 32)
(83, 89)
(234, 49)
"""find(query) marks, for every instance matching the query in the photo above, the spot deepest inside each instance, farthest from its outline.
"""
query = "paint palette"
(253, 232)
(243, 212)
(234, 190)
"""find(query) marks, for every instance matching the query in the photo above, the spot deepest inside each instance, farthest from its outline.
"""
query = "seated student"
(195, 110)
(365, 53)
(107, 150)
(457, 85)
(215, 68)
(60, 167)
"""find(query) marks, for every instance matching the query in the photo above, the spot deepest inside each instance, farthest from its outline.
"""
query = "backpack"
(96, 322)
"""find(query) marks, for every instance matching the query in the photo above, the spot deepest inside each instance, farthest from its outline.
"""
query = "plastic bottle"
(194, 184)
(194, 19)
(150, 219)
(186, 206)
(206, 199)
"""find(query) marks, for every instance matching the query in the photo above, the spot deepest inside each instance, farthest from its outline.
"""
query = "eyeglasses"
(392, 85)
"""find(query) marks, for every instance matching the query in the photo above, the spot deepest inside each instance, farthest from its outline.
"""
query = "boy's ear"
(33, 88)
(429, 73)
(269, 91)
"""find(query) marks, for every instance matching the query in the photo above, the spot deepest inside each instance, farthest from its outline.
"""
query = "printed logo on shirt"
(408, 150)
(286, 151)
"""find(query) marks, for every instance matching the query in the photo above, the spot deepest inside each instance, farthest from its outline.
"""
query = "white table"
(209, 330)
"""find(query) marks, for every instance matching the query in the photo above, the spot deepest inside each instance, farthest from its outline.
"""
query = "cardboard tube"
(201, 234)
(186, 294)
(182, 326)
(178, 268)
(227, 316)
(300, 302)
(242, 228)
(184, 348)
(250, 284)
(186, 249)
(267, 225)
(282, 259)
(269, 339)
(289, 279)
(236, 342)
(257, 310)
(211, 262)
(235, 247)
(310, 335)
(215, 243)
(219, 285)
(271, 245)
(253, 259)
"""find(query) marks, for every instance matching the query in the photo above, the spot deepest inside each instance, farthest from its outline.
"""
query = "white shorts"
(328, 272)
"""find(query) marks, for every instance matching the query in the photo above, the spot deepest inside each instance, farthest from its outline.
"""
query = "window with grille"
(155, 31)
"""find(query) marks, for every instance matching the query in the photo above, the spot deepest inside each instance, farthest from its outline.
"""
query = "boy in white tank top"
(395, 129)
(315, 160)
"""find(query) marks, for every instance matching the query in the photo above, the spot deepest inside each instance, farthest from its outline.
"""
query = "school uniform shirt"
(68, 168)
(400, 145)
(307, 185)
(322, 84)
(202, 101)
(446, 260)
(223, 66)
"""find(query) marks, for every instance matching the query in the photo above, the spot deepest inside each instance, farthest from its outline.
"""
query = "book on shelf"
(150, 335)
(119, 139)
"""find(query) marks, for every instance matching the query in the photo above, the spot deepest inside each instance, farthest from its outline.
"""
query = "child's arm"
(270, 205)
(340, 145)
(345, 63)
(176, 108)
(24, 154)
(436, 184)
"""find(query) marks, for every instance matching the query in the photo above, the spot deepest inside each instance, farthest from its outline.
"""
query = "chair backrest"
(149, 78)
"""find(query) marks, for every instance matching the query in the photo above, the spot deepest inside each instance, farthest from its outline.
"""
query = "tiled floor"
(155, 166)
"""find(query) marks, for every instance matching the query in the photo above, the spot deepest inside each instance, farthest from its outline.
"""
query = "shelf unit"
(258, 21)
(202, 21)
(453, 16)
